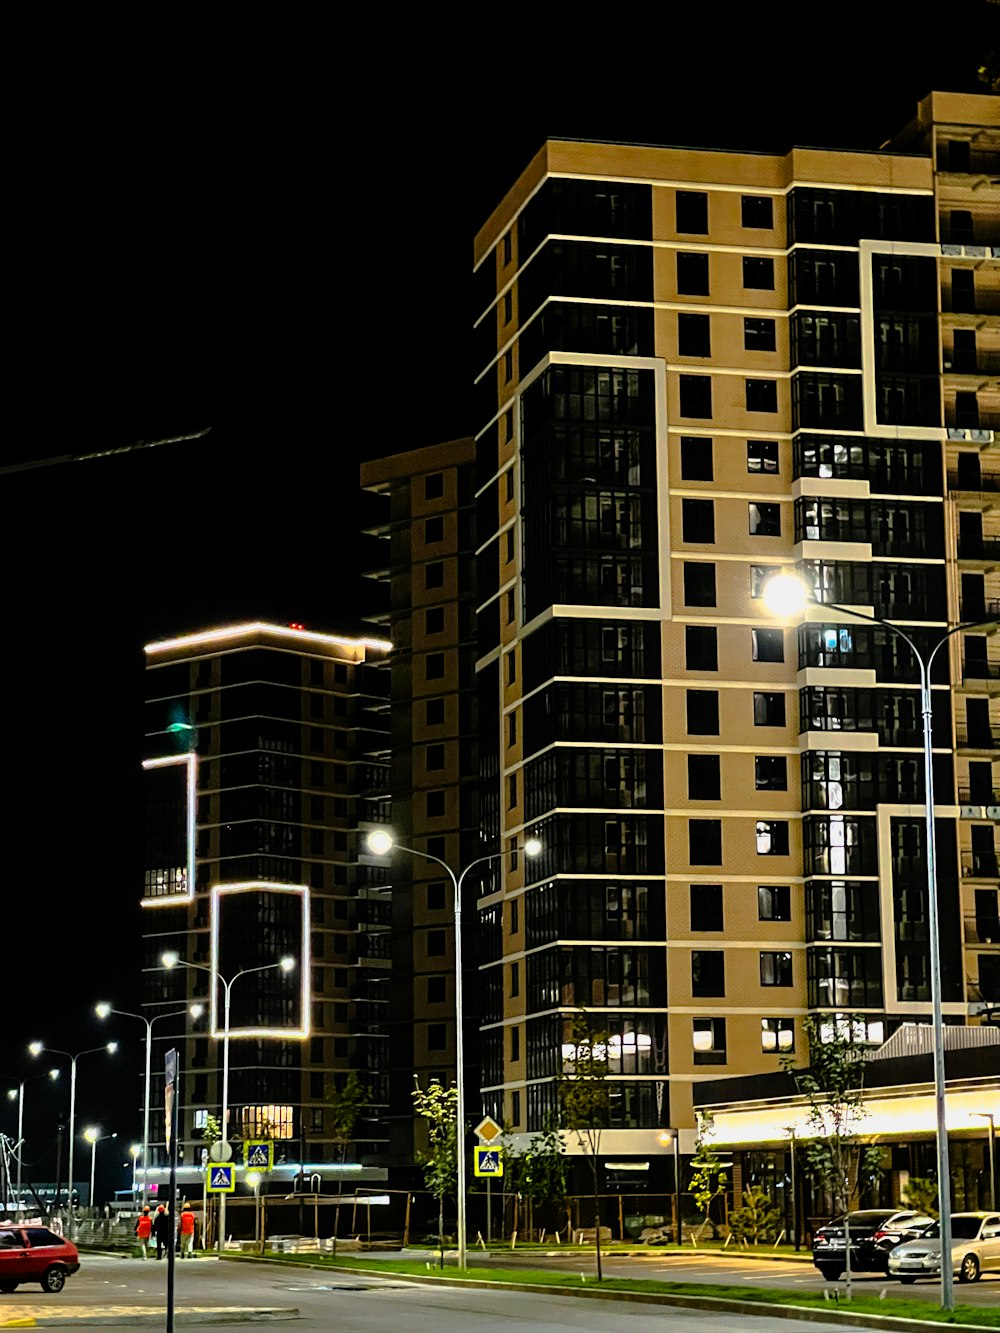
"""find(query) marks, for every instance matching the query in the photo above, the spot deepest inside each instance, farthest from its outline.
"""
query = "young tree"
(540, 1170)
(345, 1105)
(833, 1087)
(439, 1107)
(708, 1175)
(921, 1194)
(757, 1218)
(586, 1104)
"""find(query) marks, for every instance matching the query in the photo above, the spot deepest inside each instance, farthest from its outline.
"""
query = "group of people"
(155, 1228)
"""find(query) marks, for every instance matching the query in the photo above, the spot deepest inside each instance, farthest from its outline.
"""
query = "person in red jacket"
(187, 1232)
(144, 1232)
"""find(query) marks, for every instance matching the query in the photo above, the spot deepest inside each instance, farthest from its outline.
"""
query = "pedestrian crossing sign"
(258, 1154)
(488, 1162)
(220, 1178)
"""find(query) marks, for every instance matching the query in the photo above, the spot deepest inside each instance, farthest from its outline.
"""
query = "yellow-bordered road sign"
(220, 1178)
(258, 1154)
(488, 1162)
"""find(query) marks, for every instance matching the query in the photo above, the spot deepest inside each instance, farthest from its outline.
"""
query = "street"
(359, 1305)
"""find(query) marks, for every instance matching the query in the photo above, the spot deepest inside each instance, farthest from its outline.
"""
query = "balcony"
(978, 612)
(982, 302)
(982, 929)
(977, 669)
(978, 796)
(976, 738)
(979, 550)
(988, 484)
(980, 865)
(971, 363)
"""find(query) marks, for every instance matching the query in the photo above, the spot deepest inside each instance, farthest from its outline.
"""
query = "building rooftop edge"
(227, 632)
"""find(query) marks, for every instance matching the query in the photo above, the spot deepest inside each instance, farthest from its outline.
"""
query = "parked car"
(874, 1233)
(35, 1254)
(975, 1249)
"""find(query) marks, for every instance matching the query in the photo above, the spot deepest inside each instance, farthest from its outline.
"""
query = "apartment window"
(508, 435)
(434, 529)
(777, 1036)
(434, 486)
(703, 712)
(512, 791)
(771, 772)
(508, 306)
(508, 248)
(510, 545)
(434, 620)
(706, 906)
(759, 335)
(511, 667)
(696, 458)
(698, 521)
(436, 990)
(696, 395)
(765, 519)
(434, 667)
(434, 574)
(508, 367)
(759, 575)
(768, 709)
(774, 902)
(515, 1109)
(961, 229)
(708, 1036)
(515, 979)
(315, 738)
(434, 708)
(757, 212)
(692, 274)
(692, 212)
(515, 1044)
(435, 804)
(435, 1036)
(701, 648)
(699, 583)
(435, 943)
(511, 728)
(515, 915)
(511, 606)
(435, 900)
(758, 273)
(762, 456)
(775, 969)
(708, 973)
(704, 781)
(767, 645)
(694, 335)
(762, 395)
(434, 756)
(963, 289)
(772, 837)
(705, 842)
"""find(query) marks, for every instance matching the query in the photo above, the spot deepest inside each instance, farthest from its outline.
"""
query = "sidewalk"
(21, 1314)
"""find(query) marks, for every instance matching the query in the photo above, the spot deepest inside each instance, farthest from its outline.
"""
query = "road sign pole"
(489, 1212)
(172, 1078)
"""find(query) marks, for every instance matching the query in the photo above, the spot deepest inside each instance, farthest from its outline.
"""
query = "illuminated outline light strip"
(304, 963)
(191, 759)
(258, 626)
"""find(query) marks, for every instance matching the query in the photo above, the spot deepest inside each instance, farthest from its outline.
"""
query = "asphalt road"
(354, 1305)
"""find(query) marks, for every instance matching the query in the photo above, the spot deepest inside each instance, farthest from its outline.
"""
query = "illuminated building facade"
(695, 368)
(278, 737)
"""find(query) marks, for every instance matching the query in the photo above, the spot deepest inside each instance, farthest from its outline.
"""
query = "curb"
(807, 1313)
(154, 1318)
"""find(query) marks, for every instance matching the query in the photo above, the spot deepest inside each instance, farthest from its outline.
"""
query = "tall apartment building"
(266, 748)
(429, 570)
(696, 368)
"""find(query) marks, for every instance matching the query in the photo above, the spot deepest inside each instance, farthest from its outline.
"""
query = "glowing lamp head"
(135, 1150)
(103, 1009)
(36, 1048)
(170, 959)
(287, 964)
(53, 1074)
(664, 1138)
(111, 1047)
(91, 1134)
(12, 1095)
(196, 1010)
(380, 842)
(253, 1179)
(533, 847)
(785, 596)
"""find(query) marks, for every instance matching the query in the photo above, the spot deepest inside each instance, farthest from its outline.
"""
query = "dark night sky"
(270, 234)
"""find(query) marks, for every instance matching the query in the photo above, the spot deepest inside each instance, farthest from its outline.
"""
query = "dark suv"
(873, 1234)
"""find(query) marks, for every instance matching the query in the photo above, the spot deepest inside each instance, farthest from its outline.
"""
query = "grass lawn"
(892, 1305)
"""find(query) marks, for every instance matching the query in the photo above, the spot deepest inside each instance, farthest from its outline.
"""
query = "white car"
(975, 1249)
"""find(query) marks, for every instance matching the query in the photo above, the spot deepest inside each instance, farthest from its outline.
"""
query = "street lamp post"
(134, 1152)
(787, 595)
(105, 1010)
(989, 1115)
(94, 1137)
(171, 959)
(18, 1096)
(381, 842)
(36, 1048)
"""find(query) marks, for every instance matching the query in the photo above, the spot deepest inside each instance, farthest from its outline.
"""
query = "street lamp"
(989, 1115)
(36, 1048)
(134, 1152)
(94, 1137)
(171, 959)
(786, 596)
(17, 1094)
(381, 842)
(105, 1010)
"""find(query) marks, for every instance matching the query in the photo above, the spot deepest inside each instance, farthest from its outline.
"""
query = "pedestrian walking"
(161, 1231)
(144, 1231)
(187, 1232)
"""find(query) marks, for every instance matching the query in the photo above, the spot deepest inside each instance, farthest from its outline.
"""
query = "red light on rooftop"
(294, 624)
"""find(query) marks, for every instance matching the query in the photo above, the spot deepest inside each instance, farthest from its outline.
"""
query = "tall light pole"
(381, 842)
(17, 1094)
(36, 1048)
(171, 959)
(94, 1137)
(134, 1152)
(786, 596)
(105, 1010)
(988, 1115)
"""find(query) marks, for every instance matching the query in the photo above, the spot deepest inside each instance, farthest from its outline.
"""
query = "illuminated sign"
(224, 893)
(168, 885)
(261, 627)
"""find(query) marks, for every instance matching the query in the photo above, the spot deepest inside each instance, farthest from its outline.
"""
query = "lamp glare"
(533, 847)
(380, 842)
(785, 596)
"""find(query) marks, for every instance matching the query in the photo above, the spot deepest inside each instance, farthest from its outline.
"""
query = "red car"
(35, 1254)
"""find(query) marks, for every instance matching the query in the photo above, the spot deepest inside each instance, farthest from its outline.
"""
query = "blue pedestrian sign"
(258, 1154)
(220, 1178)
(488, 1162)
